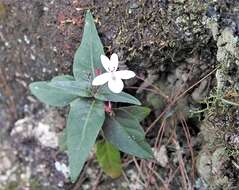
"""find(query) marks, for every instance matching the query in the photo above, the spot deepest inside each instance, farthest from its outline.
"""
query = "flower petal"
(125, 74)
(105, 62)
(116, 85)
(101, 79)
(114, 62)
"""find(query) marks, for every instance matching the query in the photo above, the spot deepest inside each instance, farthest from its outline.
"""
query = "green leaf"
(80, 88)
(105, 94)
(62, 140)
(87, 57)
(68, 83)
(51, 95)
(63, 78)
(125, 132)
(138, 112)
(109, 159)
(84, 122)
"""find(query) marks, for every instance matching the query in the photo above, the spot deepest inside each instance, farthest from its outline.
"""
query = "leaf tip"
(73, 178)
(33, 87)
(147, 111)
(88, 15)
(150, 155)
(138, 103)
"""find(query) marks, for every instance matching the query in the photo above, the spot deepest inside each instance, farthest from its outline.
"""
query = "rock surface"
(171, 44)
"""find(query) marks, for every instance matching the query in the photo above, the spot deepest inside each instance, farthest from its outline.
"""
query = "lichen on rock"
(220, 127)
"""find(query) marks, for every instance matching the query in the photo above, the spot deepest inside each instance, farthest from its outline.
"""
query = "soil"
(171, 44)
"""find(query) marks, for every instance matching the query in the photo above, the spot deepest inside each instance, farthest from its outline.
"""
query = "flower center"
(111, 69)
(113, 76)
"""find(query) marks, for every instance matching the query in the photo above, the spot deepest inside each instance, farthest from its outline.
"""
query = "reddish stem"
(108, 108)
(97, 71)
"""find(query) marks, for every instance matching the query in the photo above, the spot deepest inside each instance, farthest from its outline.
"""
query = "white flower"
(113, 77)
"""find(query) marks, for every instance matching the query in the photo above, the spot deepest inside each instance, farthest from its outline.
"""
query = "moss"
(157, 102)
(220, 127)
(34, 185)
(152, 34)
(3, 10)
(11, 186)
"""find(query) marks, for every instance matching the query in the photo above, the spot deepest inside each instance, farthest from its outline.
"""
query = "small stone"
(63, 168)
(33, 57)
(7, 44)
(161, 156)
(8, 165)
(204, 165)
(26, 39)
(43, 69)
(86, 186)
(5, 163)
(45, 9)
(201, 91)
(45, 136)
(185, 77)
